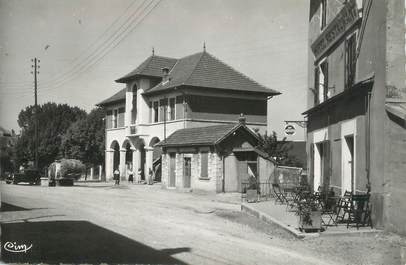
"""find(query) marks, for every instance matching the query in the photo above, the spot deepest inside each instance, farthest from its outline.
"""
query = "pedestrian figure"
(130, 176)
(139, 174)
(150, 176)
(117, 177)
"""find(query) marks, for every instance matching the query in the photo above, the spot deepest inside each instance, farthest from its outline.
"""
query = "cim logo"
(290, 129)
(16, 248)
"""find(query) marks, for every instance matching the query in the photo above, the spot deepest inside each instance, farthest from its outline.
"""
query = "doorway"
(187, 171)
(172, 172)
(348, 164)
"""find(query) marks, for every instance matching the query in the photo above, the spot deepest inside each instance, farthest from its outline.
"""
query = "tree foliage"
(7, 152)
(278, 149)
(53, 121)
(84, 139)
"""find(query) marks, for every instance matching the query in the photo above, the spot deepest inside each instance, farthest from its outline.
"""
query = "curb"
(268, 219)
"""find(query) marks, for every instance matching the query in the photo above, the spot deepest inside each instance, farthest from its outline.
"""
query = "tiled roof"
(150, 67)
(198, 136)
(204, 70)
(209, 135)
(119, 96)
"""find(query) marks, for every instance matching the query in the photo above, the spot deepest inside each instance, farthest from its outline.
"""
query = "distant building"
(356, 131)
(163, 95)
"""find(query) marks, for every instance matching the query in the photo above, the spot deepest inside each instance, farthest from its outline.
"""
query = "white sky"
(90, 43)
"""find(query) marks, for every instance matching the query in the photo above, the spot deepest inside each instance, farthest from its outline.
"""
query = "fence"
(264, 190)
(290, 176)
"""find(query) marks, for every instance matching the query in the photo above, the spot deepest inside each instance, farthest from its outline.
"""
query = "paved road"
(140, 224)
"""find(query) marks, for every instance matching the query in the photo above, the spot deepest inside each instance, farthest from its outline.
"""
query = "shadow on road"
(6, 207)
(78, 242)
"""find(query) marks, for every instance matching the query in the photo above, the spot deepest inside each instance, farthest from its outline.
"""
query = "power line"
(99, 48)
(106, 50)
(88, 48)
(119, 35)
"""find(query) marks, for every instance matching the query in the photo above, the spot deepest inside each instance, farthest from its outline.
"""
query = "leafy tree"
(278, 149)
(7, 153)
(84, 139)
(53, 121)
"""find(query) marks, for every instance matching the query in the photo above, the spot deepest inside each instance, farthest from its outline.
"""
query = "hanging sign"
(290, 129)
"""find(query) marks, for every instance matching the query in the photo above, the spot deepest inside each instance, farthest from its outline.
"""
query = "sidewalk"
(270, 212)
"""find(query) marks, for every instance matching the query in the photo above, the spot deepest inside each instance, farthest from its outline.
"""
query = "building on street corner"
(218, 158)
(356, 130)
(163, 95)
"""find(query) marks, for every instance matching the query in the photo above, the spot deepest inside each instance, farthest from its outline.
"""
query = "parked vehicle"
(65, 172)
(30, 175)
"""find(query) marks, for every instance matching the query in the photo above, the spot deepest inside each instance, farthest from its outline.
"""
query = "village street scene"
(203, 132)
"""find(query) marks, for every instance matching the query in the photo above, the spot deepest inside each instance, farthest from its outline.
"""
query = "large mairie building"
(163, 95)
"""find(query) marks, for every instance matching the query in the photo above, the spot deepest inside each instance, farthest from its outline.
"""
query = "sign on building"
(345, 19)
(290, 129)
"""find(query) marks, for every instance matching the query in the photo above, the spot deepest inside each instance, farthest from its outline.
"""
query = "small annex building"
(218, 158)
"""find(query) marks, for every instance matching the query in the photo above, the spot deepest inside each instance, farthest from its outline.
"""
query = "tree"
(7, 153)
(84, 139)
(53, 121)
(278, 149)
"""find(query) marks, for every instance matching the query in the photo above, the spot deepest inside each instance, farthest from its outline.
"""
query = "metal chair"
(279, 195)
(343, 205)
(358, 212)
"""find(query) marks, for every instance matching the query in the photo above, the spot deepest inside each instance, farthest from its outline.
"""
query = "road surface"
(142, 224)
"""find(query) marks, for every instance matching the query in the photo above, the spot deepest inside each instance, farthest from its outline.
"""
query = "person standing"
(150, 177)
(131, 176)
(116, 177)
(139, 175)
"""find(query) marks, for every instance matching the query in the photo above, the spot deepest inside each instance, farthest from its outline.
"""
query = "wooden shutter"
(324, 68)
(121, 117)
(109, 119)
(316, 85)
(179, 108)
(204, 161)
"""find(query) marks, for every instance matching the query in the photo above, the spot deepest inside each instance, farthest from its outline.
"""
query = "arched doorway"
(128, 154)
(116, 154)
(156, 159)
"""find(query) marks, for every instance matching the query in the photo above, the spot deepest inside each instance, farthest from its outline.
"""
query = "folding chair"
(343, 205)
(330, 208)
(279, 195)
(358, 212)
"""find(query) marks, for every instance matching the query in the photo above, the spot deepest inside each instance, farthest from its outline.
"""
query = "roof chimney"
(242, 119)
(165, 74)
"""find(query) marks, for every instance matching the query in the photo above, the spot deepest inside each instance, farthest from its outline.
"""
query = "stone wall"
(211, 183)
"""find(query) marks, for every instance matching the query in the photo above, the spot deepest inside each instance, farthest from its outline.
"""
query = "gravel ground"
(145, 222)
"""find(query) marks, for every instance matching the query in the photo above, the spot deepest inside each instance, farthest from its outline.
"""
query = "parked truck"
(65, 171)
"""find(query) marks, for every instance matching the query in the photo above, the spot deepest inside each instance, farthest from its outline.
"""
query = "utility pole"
(35, 72)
